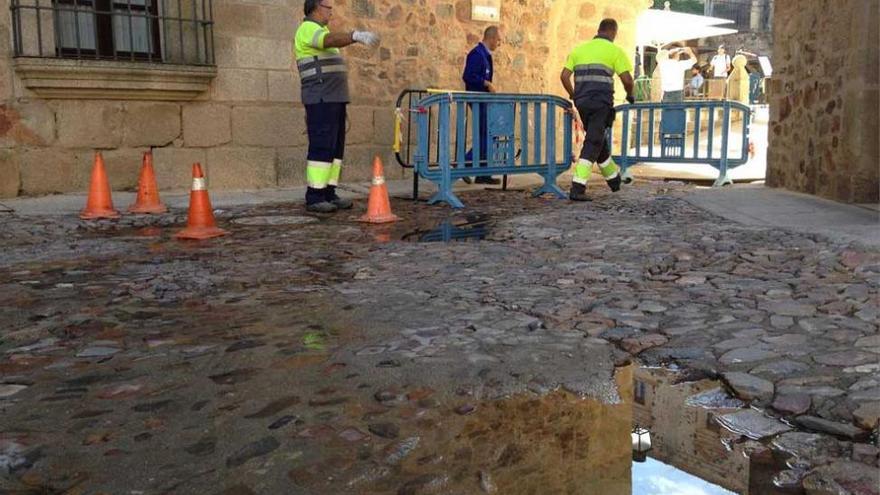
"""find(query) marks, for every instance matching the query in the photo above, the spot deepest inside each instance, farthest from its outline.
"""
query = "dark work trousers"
(325, 124)
(597, 117)
(326, 128)
(483, 137)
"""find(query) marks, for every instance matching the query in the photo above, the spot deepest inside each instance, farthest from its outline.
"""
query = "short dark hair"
(490, 31)
(310, 6)
(607, 25)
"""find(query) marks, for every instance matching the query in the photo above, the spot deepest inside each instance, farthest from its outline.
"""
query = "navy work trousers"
(326, 128)
(483, 137)
(597, 117)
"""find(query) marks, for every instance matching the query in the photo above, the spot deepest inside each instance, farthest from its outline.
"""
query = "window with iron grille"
(107, 29)
(161, 31)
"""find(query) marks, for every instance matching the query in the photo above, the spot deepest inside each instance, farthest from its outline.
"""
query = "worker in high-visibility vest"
(594, 64)
(324, 80)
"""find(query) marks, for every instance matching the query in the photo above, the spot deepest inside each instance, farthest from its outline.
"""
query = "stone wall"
(248, 127)
(824, 99)
(759, 43)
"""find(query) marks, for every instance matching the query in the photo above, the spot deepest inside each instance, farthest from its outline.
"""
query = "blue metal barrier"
(529, 121)
(674, 144)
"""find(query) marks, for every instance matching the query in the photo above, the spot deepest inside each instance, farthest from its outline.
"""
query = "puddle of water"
(470, 228)
(275, 220)
(558, 443)
(653, 477)
(691, 453)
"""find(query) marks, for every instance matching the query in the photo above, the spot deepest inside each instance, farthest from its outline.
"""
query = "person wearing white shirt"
(672, 65)
(721, 64)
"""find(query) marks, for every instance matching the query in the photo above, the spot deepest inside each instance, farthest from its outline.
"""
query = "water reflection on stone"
(471, 228)
(691, 452)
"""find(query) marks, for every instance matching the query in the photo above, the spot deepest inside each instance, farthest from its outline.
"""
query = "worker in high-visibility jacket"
(594, 64)
(324, 78)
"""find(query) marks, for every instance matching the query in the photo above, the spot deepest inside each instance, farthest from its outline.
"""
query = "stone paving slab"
(762, 206)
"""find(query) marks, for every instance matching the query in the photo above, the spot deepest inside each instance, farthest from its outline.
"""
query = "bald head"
(492, 37)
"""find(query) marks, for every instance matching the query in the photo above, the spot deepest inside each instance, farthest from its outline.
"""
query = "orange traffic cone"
(200, 223)
(99, 204)
(379, 207)
(148, 192)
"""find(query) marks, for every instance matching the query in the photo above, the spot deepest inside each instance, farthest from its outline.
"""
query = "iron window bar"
(96, 30)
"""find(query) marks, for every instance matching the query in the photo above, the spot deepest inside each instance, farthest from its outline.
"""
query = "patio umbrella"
(660, 27)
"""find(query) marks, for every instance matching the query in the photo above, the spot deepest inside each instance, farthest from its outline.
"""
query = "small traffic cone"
(200, 222)
(99, 204)
(148, 192)
(379, 207)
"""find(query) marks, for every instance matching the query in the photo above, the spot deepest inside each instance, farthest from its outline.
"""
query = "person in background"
(323, 76)
(478, 75)
(672, 65)
(721, 64)
(695, 87)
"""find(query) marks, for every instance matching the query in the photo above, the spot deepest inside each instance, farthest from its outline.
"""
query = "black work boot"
(614, 183)
(578, 192)
(316, 201)
(341, 203)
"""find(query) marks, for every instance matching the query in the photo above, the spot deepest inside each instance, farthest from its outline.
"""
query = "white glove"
(365, 37)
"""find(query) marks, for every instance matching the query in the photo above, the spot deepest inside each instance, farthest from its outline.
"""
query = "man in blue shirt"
(478, 74)
(695, 88)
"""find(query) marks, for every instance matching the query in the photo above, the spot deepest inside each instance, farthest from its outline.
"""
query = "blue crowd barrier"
(520, 136)
(665, 137)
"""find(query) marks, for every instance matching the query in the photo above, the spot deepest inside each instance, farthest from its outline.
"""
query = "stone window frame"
(59, 78)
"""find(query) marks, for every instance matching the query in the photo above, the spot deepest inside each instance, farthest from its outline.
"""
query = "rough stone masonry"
(246, 123)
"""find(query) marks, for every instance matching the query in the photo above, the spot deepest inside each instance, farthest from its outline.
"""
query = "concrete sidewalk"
(762, 206)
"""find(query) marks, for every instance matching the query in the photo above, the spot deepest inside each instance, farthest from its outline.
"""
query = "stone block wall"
(248, 128)
(759, 43)
(824, 104)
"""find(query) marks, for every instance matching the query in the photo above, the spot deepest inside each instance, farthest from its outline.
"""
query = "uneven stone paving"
(323, 356)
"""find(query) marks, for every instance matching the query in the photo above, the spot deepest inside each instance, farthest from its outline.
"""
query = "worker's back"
(594, 64)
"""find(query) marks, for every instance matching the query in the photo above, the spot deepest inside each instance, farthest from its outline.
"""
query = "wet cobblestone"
(325, 356)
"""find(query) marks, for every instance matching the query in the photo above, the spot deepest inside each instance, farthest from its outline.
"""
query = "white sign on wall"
(486, 10)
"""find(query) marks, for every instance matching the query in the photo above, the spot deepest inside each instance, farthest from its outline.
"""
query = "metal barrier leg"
(723, 179)
(446, 196)
(625, 175)
(415, 185)
(444, 192)
(549, 186)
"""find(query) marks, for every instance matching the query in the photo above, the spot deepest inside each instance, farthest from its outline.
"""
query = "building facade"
(213, 81)
(824, 103)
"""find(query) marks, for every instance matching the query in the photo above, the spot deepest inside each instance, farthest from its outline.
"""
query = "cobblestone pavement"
(314, 355)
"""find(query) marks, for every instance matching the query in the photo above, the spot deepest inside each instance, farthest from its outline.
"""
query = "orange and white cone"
(379, 206)
(200, 223)
(148, 192)
(99, 203)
